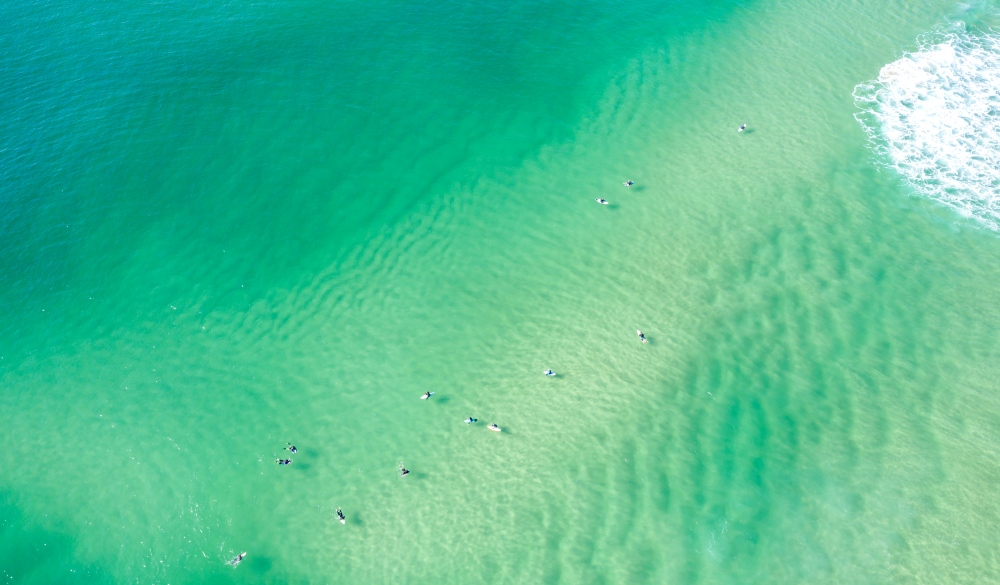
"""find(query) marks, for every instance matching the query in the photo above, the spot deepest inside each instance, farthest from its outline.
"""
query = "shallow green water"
(227, 227)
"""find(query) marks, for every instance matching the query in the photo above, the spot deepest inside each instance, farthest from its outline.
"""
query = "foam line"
(934, 116)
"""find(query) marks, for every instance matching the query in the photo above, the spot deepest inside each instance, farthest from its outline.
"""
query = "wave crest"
(934, 115)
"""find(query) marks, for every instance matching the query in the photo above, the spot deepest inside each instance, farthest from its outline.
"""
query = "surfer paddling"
(237, 559)
(742, 127)
(470, 420)
(426, 395)
(291, 448)
(340, 516)
(628, 183)
(601, 200)
(403, 472)
(283, 461)
(642, 336)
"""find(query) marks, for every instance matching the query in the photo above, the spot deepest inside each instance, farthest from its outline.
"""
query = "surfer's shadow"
(443, 400)
(258, 564)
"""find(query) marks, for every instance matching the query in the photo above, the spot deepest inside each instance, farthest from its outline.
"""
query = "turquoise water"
(227, 227)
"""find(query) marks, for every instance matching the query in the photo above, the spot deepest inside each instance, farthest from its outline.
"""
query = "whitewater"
(934, 116)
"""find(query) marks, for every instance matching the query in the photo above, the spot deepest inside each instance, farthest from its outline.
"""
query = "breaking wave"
(934, 116)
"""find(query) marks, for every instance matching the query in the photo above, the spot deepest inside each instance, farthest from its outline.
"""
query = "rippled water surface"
(227, 227)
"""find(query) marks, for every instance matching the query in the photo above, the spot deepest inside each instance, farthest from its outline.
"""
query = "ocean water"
(934, 114)
(228, 227)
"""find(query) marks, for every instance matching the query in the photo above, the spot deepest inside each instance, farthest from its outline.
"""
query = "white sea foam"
(934, 116)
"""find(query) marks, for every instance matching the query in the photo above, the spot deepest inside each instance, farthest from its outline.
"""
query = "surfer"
(340, 516)
(629, 183)
(642, 337)
(403, 472)
(470, 420)
(494, 427)
(291, 448)
(238, 559)
(742, 127)
(601, 200)
(283, 461)
(426, 395)
(549, 373)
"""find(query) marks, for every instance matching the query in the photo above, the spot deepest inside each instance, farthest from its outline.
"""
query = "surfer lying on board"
(642, 337)
(238, 559)
(426, 395)
(283, 461)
